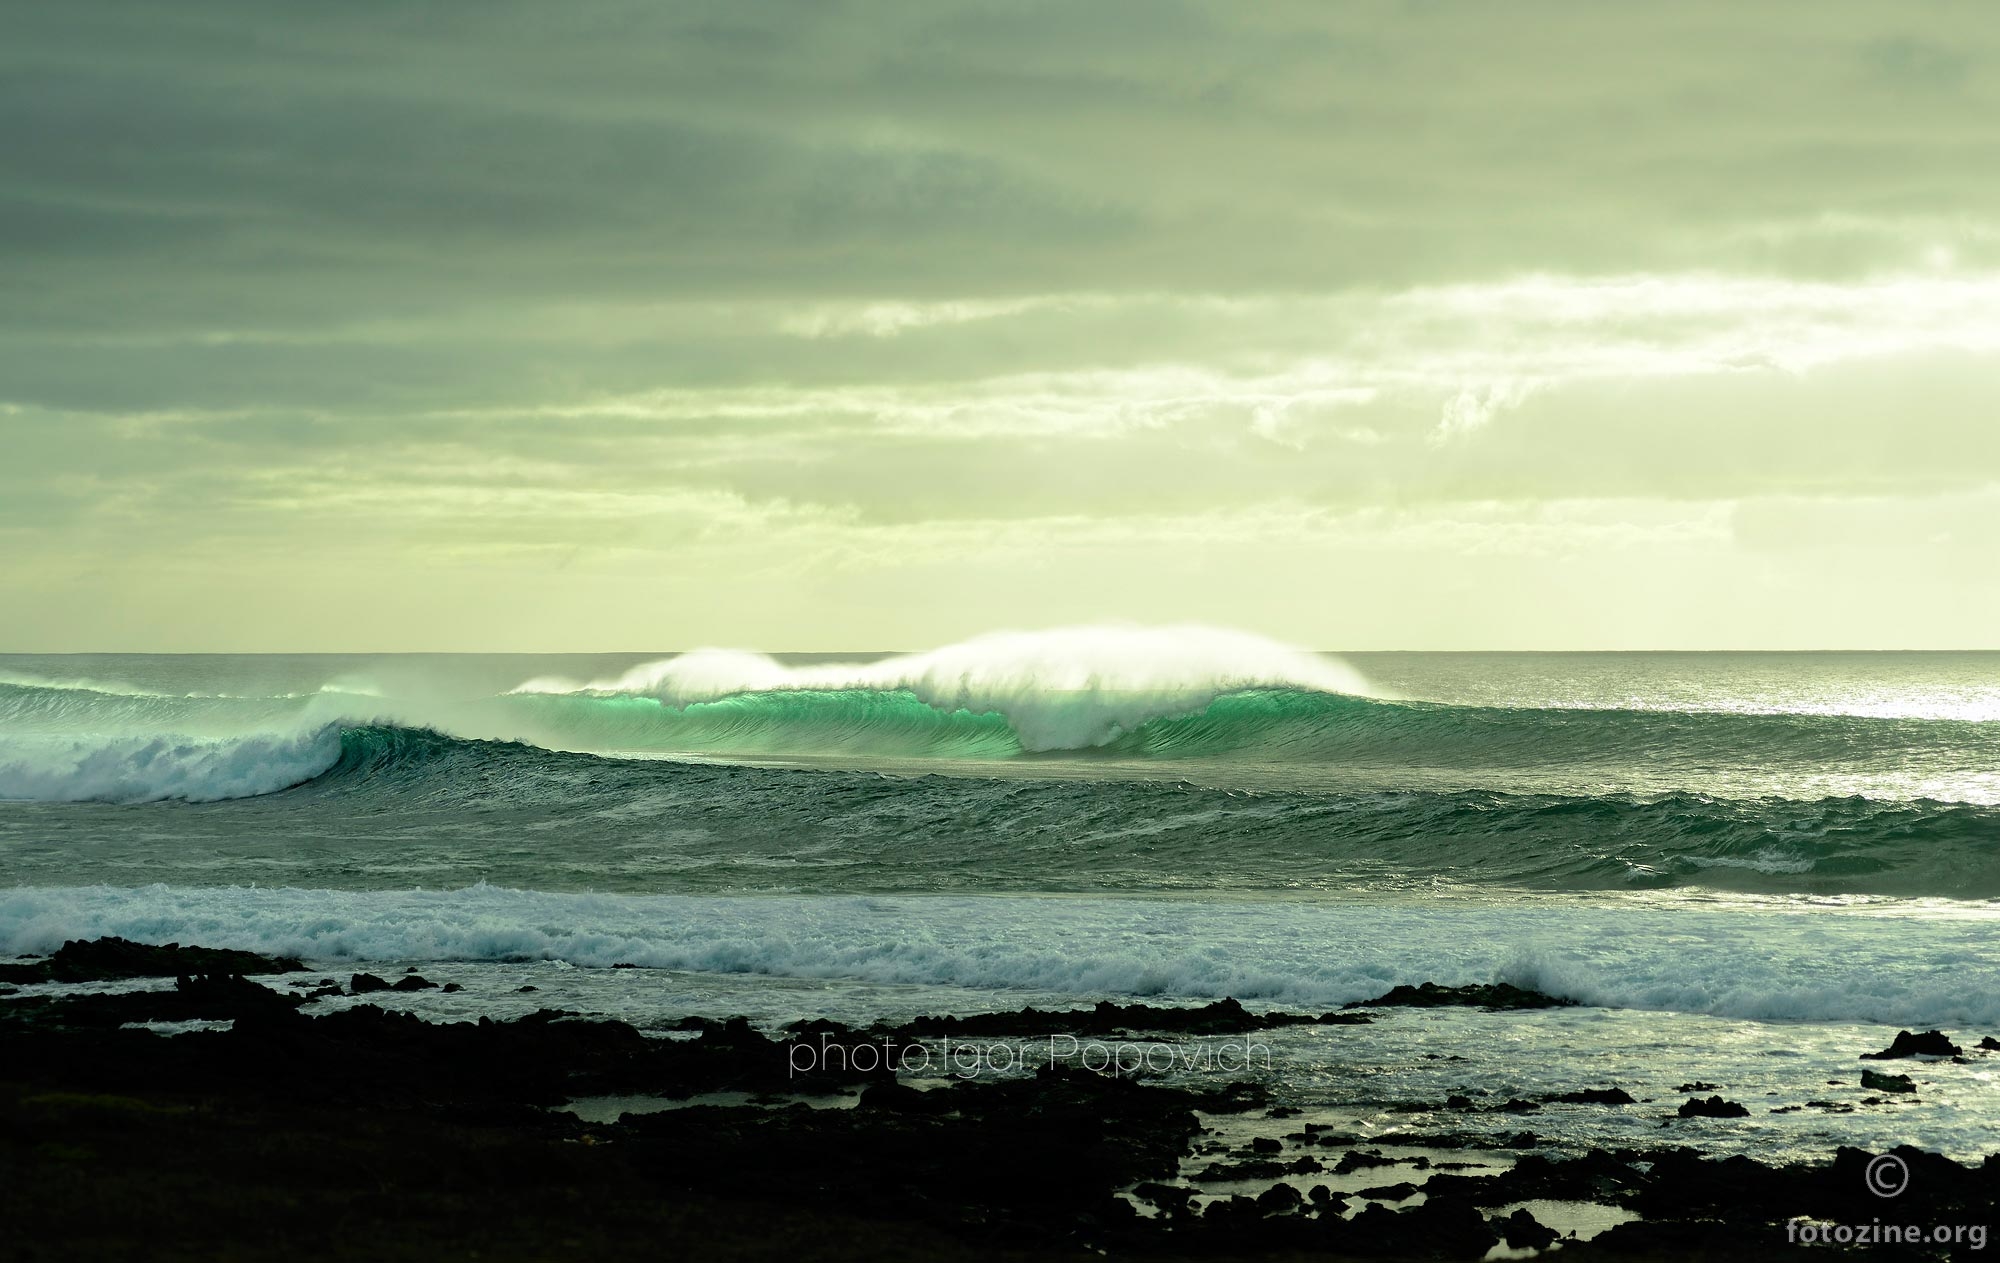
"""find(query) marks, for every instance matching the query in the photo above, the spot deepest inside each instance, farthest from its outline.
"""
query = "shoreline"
(415, 1138)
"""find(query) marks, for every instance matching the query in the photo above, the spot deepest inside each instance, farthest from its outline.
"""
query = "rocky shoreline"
(367, 1132)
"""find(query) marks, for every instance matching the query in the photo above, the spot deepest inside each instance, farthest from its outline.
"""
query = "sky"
(844, 324)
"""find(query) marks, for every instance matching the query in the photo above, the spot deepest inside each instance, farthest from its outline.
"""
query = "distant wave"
(1066, 689)
(1833, 966)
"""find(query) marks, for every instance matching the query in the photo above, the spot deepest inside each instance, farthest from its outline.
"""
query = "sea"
(1746, 869)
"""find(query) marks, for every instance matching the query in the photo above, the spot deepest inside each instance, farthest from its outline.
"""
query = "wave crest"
(1064, 689)
(138, 769)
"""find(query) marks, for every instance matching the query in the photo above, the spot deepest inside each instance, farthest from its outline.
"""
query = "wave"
(1839, 965)
(136, 769)
(1067, 689)
(401, 801)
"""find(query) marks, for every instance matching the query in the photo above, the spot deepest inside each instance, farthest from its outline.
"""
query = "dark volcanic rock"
(202, 997)
(1928, 1044)
(1595, 1096)
(363, 984)
(1440, 1228)
(1522, 1231)
(1989, 1044)
(1498, 995)
(1712, 1107)
(1223, 1017)
(1876, 1081)
(414, 982)
(105, 959)
(1402, 1190)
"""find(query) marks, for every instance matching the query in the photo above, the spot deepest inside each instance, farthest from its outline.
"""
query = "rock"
(1280, 1199)
(1876, 1081)
(1989, 1044)
(1498, 995)
(1356, 1160)
(362, 984)
(1522, 1231)
(105, 959)
(1264, 1144)
(1595, 1096)
(450, 987)
(1402, 1190)
(1928, 1044)
(1713, 1107)
(1171, 1199)
(1224, 1017)
(1697, 1086)
(1442, 1228)
(525, 990)
(414, 982)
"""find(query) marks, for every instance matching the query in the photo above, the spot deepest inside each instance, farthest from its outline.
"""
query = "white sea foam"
(1826, 965)
(1061, 689)
(149, 768)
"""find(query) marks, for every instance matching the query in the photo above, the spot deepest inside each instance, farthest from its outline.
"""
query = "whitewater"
(1179, 813)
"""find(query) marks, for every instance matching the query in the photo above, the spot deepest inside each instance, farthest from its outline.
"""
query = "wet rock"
(1265, 1144)
(1258, 1169)
(524, 990)
(1498, 995)
(1402, 1190)
(414, 982)
(106, 959)
(1170, 1199)
(1989, 1044)
(1522, 1231)
(1712, 1107)
(1595, 1096)
(1928, 1044)
(196, 997)
(1280, 1199)
(1440, 1228)
(1357, 1160)
(1876, 1081)
(1107, 1019)
(364, 984)
(451, 987)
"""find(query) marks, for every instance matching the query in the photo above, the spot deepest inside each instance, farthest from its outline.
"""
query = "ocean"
(1747, 868)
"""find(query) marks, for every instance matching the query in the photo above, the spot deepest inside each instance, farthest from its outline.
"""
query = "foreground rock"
(107, 959)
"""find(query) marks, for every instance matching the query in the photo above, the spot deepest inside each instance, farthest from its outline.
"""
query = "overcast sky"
(831, 325)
